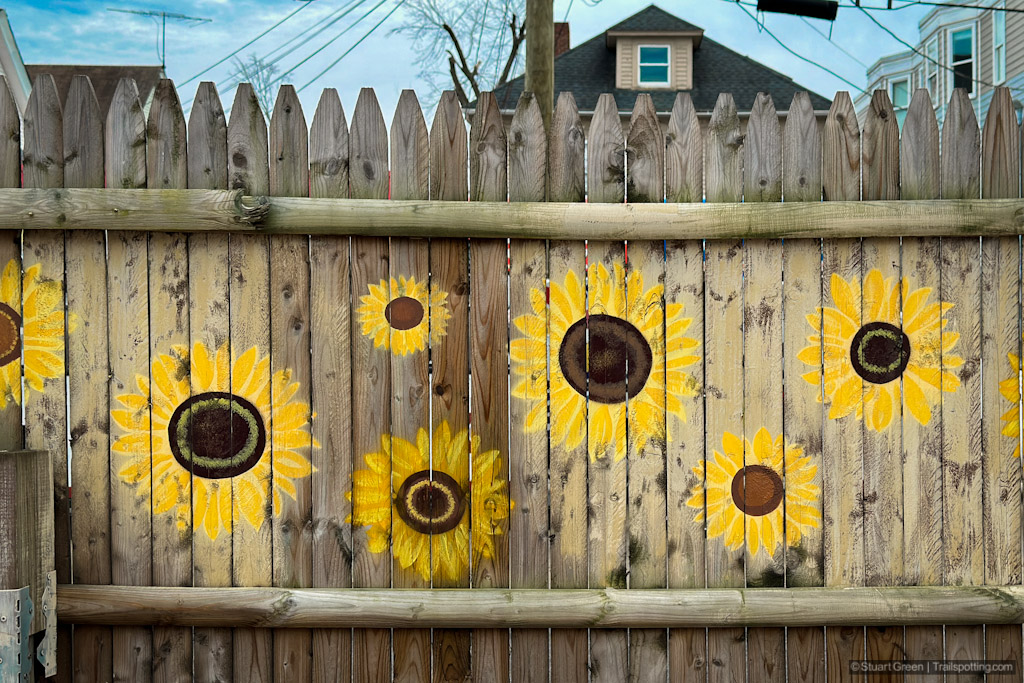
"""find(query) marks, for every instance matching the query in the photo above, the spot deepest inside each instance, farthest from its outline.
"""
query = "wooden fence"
(291, 410)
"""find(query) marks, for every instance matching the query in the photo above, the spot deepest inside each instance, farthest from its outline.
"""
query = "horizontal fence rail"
(213, 210)
(539, 608)
(624, 381)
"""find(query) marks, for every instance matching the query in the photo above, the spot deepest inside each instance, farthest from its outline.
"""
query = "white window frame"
(907, 79)
(973, 28)
(998, 16)
(931, 69)
(668, 64)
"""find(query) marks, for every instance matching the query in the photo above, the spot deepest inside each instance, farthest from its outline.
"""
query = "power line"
(797, 54)
(922, 54)
(325, 45)
(837, 45)
(164, 16)
(345, 53)
(226, 58)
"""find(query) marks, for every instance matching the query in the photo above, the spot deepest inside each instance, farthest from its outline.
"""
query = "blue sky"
(84, 32)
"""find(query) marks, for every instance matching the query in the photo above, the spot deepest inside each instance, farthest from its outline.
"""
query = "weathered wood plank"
(488, 158)
(248, 155)
(762, 166)
(290, 344)
(448, 152)
(919, 150)
(606, 161)
(410, 150)
(568, 448)
(608, 539)
(207, 141)
(130, 513)
(43, 162)
(1000, 148)
(880, 150)
(489, 339)
(840, 170)
(126, 143)
(566, 143)
(961, 149)
(330, 304)
(83, 136)
(371, 391)
(330, 321)
(646, 447)
(684, 153)
(90, 440)
(10, 138)
(684, 305)
(528, 448)
(410, 412)
(328, 148)
(724, 149)
(645, 153)
(166, 140)
(527, 152)
(801, 152)
(368, 149)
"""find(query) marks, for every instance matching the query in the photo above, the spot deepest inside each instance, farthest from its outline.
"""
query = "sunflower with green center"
(400, 498)
(32, 335)
(626, 346)
(755, 499)
(397, 316)
(209, 422)
(867, 352)
(1011, 392)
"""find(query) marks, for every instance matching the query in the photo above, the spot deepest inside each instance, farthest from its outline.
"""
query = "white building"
(958, 47)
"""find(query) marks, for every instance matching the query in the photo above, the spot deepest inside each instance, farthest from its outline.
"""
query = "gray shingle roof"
(588, 70)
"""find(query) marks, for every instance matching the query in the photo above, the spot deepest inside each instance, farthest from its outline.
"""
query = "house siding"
(624, 63)
(1014, 44)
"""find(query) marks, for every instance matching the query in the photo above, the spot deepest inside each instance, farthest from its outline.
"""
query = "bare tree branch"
(463, 64)
(455, 79)
(517, 40)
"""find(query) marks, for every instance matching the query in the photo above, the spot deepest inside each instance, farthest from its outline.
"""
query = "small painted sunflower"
(400, 497)
(624, 323)
(397, 317)
(39, 335)
(866, 356)
(755, 493)
(210, 422)
(1010, 391)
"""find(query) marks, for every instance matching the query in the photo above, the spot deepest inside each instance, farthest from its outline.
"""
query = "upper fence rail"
(769, 158)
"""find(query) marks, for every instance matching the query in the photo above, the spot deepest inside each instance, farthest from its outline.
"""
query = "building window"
(653, 65)
(899, 93)
(931, 70)
(961, 58)
(998, 46)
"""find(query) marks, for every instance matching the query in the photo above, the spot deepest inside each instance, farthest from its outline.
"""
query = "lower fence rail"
(266, 607)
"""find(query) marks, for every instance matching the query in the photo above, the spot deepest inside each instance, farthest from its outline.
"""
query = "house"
(20, 76)
(977, 47)
(656, 52)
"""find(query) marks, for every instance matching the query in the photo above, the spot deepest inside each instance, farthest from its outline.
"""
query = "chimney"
(561, 37)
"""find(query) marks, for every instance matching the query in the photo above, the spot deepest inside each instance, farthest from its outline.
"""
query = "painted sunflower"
(397, 316)
(867, 355)
(754, 493)
(39, 335)
(399, 497)
(625, 337)
(1010, 391)
(209, 420)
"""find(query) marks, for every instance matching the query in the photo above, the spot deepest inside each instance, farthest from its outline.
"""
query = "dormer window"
(653, 66)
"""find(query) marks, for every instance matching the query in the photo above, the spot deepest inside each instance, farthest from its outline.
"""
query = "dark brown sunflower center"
(403, 313)
(619, 357)
(430, 506)
(10, 334)
(217, 435)
(880, 352)
(757, 490)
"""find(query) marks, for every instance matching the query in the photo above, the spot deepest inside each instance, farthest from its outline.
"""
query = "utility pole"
(540, 54)
(164, 16)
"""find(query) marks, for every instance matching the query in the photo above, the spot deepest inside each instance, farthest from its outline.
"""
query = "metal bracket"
(15, 621)
(46, 653)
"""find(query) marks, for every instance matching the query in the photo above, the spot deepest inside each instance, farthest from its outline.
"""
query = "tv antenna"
(163, 16)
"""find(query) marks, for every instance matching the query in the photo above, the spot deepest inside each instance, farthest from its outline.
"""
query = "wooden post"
(26, 525)
(540, 54)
